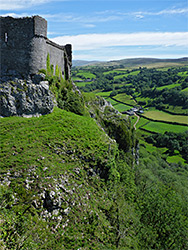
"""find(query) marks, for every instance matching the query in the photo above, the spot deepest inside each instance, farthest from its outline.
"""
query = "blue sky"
(109, 30)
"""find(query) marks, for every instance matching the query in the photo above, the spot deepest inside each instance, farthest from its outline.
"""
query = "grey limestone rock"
(38, 78)
(24, 98)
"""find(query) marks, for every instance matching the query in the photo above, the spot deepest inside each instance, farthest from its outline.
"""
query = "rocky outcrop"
(25, 97)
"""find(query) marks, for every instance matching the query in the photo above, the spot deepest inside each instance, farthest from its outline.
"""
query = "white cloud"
(20, 4)
(89, 25)
(139, 16)
(174, 11)
(96, 41)
(162, 12)
(15, 15)
(109, 16)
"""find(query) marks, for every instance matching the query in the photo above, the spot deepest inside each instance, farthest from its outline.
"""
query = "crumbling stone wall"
(24, 47)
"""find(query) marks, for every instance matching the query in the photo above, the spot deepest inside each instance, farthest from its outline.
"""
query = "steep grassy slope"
(55, 171)
(67, 185)
(57, 153)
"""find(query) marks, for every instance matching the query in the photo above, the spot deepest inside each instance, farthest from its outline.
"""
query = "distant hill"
(79, 63)
(136, 62)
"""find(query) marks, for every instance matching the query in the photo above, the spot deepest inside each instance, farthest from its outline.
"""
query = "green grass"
(163, 116)
(141, 122)
(113, 102)
(103, 94)
(121, 107)
(177, 109)
(82, 84)
(113, 71)
(170, 86)
(76, 78)
(159, 127)
(125, 75)
(175, 159)
(185, 90)
(125, 99)
(120, 76)
(183, 74)
(142, 99)
(86, 74)
(33, 138)
(120, 85)
(58, 148)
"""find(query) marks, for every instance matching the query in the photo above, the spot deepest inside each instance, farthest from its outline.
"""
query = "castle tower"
(24, 47)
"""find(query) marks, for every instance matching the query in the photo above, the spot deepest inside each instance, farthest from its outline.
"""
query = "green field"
(127, 74)
(125, 99)
(76, 78)
(142, 122)
(114, 71)
(113, 102)
(163, 116)
(121, 107)
(103, 94)
(142, 99)
(86, 74)
(185, 73)
(82, 84)
(159, 127)
(171, 86)
(177, 110)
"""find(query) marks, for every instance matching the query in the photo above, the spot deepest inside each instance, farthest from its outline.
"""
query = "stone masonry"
(24, 47)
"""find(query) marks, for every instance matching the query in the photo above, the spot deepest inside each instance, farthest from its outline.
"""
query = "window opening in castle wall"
(6, 37)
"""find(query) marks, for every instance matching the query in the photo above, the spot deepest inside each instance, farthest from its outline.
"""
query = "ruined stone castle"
(24, 47)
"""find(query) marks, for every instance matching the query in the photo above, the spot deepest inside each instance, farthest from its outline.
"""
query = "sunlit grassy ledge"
(25, 140)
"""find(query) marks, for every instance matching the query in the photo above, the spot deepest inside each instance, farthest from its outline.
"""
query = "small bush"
(74, 103)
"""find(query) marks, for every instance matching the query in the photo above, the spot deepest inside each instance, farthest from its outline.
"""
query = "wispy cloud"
(91, 19)
(89, 25)
(21, 4)
(173, 11)
(110, 16)
(96, 41)
(143, 14)
(86, 19)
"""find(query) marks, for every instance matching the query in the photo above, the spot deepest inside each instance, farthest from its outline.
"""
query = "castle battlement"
(24, 47)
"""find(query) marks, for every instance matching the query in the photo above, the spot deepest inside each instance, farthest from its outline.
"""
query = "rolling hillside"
(136, 62)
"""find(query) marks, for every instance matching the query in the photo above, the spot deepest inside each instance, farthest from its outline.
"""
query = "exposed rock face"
(25, 97)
